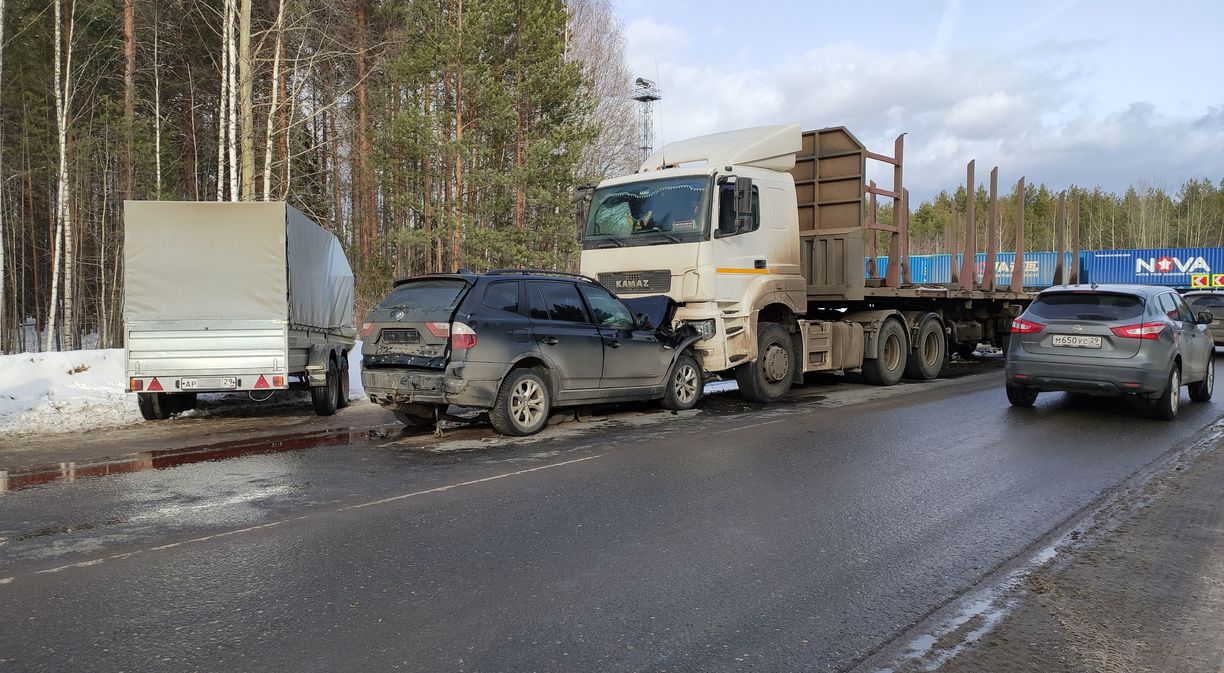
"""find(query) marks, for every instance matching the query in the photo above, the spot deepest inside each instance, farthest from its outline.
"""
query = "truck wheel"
(684, 384)
(886, 369)
(324, 397)
(1201, 391)
(930, 352)
(154, 406)
(1021, 397)
(1164, 407)
(522, 405)
(412, 417)
(342, 397)
(768, 378)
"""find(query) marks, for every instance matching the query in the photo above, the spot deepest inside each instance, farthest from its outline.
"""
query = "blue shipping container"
(1171, 267)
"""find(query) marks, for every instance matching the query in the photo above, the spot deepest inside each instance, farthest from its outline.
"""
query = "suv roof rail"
(541, 272)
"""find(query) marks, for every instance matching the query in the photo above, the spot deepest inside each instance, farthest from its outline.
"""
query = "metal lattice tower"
(646, 92)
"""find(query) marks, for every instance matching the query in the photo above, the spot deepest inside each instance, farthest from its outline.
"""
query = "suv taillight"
(438, 329)
(462, 337)
(1147, 330)
(1022, 326)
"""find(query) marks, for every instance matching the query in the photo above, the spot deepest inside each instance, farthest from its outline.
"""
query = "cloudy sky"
(1060, 91)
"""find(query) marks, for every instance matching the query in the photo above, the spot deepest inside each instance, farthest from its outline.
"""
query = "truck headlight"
(705, 328)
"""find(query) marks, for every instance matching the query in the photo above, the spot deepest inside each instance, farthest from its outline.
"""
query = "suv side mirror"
(1205, 317)
(642, 321)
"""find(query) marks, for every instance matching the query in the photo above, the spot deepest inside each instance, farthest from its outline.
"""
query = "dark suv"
(519, 343)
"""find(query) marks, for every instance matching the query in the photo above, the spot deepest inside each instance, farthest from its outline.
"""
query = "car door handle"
(549, 340)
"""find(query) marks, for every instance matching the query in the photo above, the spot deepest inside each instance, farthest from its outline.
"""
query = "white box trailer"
(231, 297)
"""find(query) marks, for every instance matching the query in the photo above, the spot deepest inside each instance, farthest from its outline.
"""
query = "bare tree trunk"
(457, 231)
(361, 179)
(156, 111)
(5, 301)
(223, 106)
(63, 221)
(129, 96)
(276, 81)
(245, 84)
(231, 145)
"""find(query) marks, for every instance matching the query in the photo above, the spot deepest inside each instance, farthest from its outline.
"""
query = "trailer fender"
(914, 321)
(317, 363)
(872, 321)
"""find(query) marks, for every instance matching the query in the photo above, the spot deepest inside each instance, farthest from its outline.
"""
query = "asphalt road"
(800, 537)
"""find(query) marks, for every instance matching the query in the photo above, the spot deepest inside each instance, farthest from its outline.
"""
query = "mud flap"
(317, 364)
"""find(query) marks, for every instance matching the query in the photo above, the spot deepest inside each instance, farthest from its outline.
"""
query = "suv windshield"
(670, 210)
(1087, 306)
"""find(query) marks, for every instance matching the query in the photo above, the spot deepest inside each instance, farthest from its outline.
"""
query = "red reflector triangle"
(262, 382)
(155, 385)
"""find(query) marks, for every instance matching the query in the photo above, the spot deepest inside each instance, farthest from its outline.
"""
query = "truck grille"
(637, 282)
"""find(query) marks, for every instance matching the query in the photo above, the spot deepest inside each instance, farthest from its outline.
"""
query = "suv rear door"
(410, 327)
(1084, 313)
(565, 334)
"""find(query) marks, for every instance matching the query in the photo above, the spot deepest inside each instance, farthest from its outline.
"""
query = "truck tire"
(684, 384)
(155, 406)
(342, 396)
(324, 397)
(523, 403)
(887, 368)
(930, 352)
(1164, 406)
(768, 378)
(1201, 391)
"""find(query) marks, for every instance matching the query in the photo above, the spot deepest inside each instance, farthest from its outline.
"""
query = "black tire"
(324, 397)
(684, 384)
(342, 396)
(523, 403)
(930, 352)
(1020, 396)
(1201, 391)
(413, 418)
(1164, 407)
(768, 378)
(155, 406)
(893, 347)
(965, 351)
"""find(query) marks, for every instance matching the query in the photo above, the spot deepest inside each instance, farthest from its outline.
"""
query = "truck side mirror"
(743, 205)
(582, 204)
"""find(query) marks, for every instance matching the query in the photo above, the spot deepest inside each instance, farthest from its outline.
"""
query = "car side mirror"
(1205, 317)
(642, 321)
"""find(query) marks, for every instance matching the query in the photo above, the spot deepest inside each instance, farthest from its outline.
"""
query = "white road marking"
(745, 427)
(381, 501)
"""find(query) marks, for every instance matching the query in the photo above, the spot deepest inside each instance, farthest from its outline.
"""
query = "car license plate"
(1076, 341)
(223, 383)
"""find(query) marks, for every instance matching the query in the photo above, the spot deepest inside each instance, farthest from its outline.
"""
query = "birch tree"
(274, 109)
(5, 304)
(245, 84)
(63, 221)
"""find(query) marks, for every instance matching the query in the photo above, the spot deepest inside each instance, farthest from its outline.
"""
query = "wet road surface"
(803, 536)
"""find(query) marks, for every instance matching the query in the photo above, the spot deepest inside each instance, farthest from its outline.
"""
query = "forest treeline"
(426, 134)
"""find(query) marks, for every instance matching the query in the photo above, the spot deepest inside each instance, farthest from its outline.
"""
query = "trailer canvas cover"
(233, 261)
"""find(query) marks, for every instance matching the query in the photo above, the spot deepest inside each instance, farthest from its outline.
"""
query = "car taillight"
(438, 329)
(1022, 326)
(462, 337)
(1147, 330)
(367, 329)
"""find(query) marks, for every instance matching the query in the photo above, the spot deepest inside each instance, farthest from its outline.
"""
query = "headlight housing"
(706, 328)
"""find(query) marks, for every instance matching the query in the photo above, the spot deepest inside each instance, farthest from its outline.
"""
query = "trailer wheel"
(768, 378)
(342, 399)
(155, 406)
(889, 364)
(324, 397)
(930, 352)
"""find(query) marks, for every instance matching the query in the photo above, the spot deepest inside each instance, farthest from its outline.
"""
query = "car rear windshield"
(1208, 302)
(426, 299)
(1087, 306)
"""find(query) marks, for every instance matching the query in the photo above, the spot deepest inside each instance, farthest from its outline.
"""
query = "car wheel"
(1201, 391)
(768, 378)
(522, 405)
(887, 369)
(342, 400)
(1020, 396)
(684, 384)
(930, 352)
(1164, 407)
(324, 397)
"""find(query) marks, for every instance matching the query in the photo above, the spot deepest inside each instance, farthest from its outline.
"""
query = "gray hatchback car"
(1134, 340)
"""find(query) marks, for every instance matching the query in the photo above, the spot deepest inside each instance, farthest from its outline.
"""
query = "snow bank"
(72, 391)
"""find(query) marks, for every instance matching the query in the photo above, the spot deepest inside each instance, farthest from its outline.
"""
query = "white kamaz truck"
(233, 297)
(760, 236)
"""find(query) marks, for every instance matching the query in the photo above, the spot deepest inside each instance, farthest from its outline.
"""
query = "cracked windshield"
(648, 213)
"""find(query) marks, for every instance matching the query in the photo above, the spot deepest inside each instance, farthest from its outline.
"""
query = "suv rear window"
(425, 298)
(1208, 302)
(1087, 306)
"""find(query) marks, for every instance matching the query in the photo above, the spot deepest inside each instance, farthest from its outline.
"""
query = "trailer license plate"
(223, 383)
(1075, 341)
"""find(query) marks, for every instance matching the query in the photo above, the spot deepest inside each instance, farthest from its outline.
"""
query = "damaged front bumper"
(465, 384)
